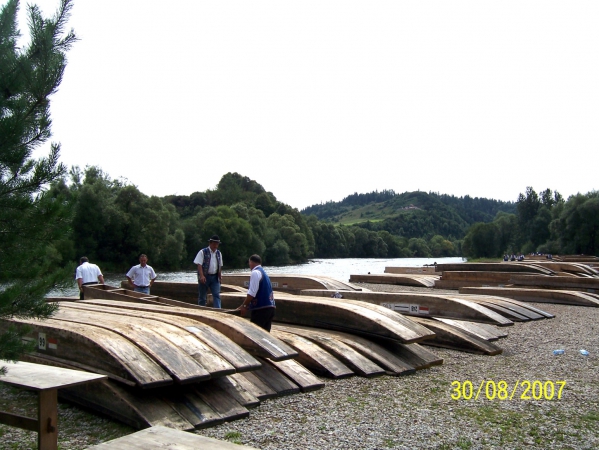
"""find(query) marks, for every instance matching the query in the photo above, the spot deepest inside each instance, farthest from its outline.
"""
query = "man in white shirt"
(142, 276)
(87, 273)
(210, 264)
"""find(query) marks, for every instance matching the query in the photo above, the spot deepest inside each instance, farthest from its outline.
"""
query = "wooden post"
(47, 438)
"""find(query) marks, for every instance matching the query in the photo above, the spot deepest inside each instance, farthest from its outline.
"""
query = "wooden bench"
(162, 438)
(46, 380)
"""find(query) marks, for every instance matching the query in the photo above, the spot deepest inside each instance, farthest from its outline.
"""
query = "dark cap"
(214, 238)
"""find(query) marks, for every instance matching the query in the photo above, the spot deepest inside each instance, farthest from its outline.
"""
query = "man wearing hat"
(210, 264)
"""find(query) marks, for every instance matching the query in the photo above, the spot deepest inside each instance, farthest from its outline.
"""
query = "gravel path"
(416, 411)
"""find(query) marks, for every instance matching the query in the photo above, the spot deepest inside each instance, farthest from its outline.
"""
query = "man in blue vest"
(260, 299)
(210, 264)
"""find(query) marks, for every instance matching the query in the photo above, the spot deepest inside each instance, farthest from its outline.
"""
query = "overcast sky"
(318, 100)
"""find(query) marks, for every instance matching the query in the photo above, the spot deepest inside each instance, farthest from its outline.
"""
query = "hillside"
(411, 214)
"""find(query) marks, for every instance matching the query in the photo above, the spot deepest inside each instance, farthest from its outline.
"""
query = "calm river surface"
(340, 269)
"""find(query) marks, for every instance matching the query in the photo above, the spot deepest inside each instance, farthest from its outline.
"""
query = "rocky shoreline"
(414, 411)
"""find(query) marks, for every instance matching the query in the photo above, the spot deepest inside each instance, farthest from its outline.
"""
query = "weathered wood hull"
(420, 304)
(449, 336)
(397, 279)
(495, 267)
(293, 283)
(557, 296)
(354, 318)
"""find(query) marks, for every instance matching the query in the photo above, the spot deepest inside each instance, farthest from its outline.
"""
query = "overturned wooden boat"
(293, 283)
(590, 285)
(458, 279)
(557, 296)
(494, 267)
(458, 338)
(348, 316)
(428, 270)
(424, 304)
(403, 279)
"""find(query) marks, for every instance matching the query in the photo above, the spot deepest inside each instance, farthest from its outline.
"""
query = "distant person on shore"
(210, 265)
(142, 276)
(260, 298)
(87, 273)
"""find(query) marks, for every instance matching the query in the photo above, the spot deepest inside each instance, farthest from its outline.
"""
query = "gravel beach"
(414, 411)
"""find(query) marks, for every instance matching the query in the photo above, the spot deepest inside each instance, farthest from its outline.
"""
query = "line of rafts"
(568, 282)
(173, 363)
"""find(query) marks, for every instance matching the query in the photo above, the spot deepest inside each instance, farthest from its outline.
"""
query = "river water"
(339, 268)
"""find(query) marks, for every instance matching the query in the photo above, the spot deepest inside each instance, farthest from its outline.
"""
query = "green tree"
(578, 224)
(482, 240)
(30, 219)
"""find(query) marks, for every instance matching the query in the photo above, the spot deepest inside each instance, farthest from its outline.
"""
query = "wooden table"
(46, 380)
(167, 438)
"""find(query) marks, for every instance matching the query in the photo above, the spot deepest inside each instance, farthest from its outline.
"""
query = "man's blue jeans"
(144, 290)
(213, 284)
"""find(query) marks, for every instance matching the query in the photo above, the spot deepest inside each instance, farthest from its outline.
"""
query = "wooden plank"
(37, 377)
(420, 304)
(235, 389)
(314, 357)
(472, 328)
(413, 354)
(501, 332)
(301, 376)
(250, 337)
(220, 402)
(188, 404)
(346, 354)
(159, 437)
(254, 385)
(47, 360)
(276, 380)
(15, 420)
(452, 337)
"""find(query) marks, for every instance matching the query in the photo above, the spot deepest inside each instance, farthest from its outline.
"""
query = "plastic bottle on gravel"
(558, 352)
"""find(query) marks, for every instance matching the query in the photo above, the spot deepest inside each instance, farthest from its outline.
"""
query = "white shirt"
(141, 276)
(88, 273)
(213, 269)
(255, 279)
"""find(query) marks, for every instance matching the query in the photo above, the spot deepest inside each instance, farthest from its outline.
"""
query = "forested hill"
(411, 214)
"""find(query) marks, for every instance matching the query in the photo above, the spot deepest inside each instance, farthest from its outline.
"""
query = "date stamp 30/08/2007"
(502, 390)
